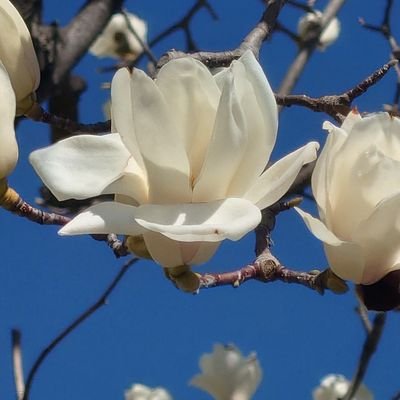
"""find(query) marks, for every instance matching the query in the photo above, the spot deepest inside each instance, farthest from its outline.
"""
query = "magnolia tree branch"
(17, 363)
(102, 301)
(369, 348)
(307, 48)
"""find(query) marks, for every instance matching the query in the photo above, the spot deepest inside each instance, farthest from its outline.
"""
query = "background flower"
(142, 392)
(227, 375)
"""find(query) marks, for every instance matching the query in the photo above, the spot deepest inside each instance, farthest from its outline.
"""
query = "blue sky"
(150, 332)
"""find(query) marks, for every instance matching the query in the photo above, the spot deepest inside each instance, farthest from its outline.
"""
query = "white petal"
(8, 143)
(162, 149)
(81, 166)
(277, 179)
(226, 147)
(379, 235)
(17, 52)
(345, 258)
(204, 252)
(207, 222)
(192, 100)
(352, 118)
(103, 218)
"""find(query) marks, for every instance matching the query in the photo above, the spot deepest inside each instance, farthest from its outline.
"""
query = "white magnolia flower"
(186, 164)
(18, 56)
(227, 375)
(335, 387)
(117, 39)
(8, 143)
(142, 392)
(356, 183)
(313, 19)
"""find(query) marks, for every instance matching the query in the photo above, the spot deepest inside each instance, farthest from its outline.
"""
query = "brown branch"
(337, 106)
(102, 301)
(17, 363)
(369, 348)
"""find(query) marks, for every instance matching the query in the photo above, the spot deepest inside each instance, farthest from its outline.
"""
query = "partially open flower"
(312, 21)
(142, 392)
(356, 183)
(18, 56)
(8, 143)
(117, 39)
(187, 164)
(227, 375)
(334, 387)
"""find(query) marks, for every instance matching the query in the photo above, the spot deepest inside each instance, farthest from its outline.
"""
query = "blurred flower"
(334, 387)
(186, 165)
(142, 392)
(227, 375)
(311, 21)
(8, 144)
(117, 39)
(18, 56)
(356, 184)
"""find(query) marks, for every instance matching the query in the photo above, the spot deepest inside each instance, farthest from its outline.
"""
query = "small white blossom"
(187, 164)
(356, 183)
(142, 392)
(313, 19)
(227, 375)
(118, 41)
(335, 387)
(18, 56)
(8, 143)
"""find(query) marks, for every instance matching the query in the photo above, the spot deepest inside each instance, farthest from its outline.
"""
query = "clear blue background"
(150, 332)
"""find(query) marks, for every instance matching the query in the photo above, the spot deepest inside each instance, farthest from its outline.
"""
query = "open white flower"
(8, 143)
(356, 183)
(334, 387)
(311, 20)
(142, 392)
(118, 41)
(227, 375)
(18, 56)
(186, 164)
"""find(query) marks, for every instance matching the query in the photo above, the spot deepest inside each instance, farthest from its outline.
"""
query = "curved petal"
(226, 147)
(8, 143)
(161, 147)
(204, 222)
(81, 166)
(103, 218)
(379, 235)
(204, 252)
(17, 52)
(345, 258)
(277, 179)
(193, 99)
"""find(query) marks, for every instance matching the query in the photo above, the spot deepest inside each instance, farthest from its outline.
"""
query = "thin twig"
(69, 329)
(17, 363)
(369, 348)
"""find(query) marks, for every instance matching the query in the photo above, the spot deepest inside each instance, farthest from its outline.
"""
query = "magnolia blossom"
(117, 39)
(334, 387)
(356, 183)
(227, 375)
(18, 56)
(142, 392)
(311, 21)
(8, 144)
(186, 164)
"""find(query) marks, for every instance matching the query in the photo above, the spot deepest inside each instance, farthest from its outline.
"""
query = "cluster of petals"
(142, 392)
(227, 374)
(19, 78)
(312, 20)
(186, 164)
(356, 184)
(333, 387)
(117, 39)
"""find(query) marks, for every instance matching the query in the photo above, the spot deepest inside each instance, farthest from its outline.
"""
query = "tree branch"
(17, 363)
(70, 328)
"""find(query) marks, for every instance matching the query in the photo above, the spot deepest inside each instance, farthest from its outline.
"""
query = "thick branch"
(69, 329)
